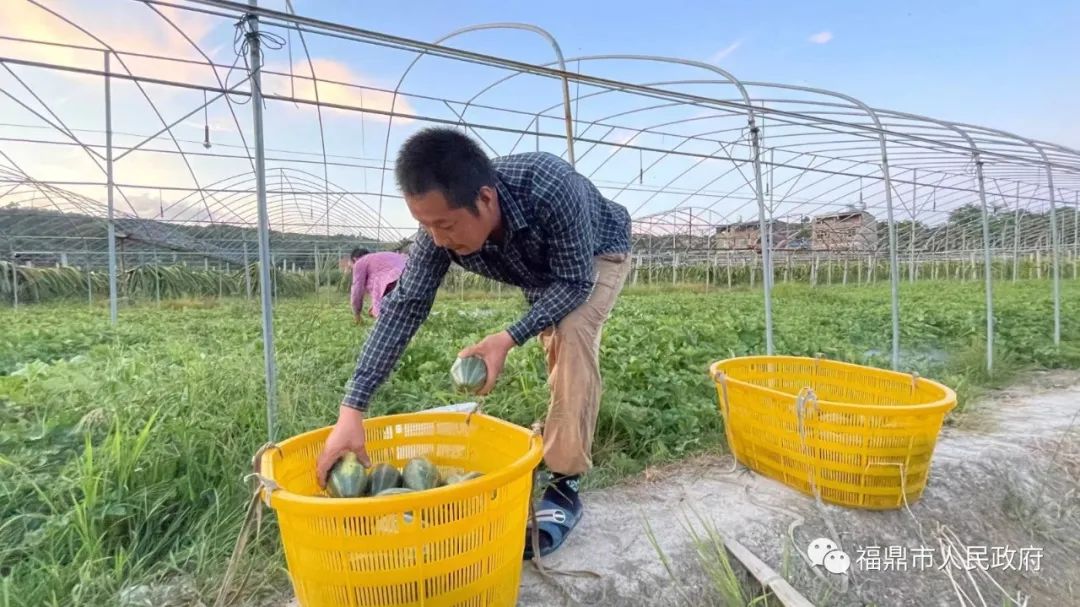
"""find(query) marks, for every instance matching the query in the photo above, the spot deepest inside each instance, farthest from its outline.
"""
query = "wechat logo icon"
(824, 552)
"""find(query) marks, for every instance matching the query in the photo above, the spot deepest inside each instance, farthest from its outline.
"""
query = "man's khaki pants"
(573, 361)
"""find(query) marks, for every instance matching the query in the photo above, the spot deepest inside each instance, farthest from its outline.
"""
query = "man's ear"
(487, 200)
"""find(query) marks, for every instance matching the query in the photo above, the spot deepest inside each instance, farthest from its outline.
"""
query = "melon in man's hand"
(469, 373)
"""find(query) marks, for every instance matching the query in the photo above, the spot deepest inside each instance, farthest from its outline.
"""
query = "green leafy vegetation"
(122, 449)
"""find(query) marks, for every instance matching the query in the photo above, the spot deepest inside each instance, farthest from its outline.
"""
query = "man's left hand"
(493, 350)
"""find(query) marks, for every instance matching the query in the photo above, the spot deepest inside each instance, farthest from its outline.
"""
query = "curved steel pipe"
(472, 28)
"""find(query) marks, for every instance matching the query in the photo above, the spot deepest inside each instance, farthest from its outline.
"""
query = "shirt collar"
(511, 210)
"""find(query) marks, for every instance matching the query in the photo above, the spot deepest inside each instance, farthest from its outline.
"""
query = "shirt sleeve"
(402, 313)
(359, 277)
(563, 195)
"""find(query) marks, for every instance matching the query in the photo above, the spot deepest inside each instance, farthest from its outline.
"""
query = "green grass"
(122, 448)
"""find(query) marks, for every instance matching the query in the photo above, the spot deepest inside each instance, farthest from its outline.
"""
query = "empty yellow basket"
(460, 544)
(860, 436)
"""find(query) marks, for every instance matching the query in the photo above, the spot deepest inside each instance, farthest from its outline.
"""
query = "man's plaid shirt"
(556, 222)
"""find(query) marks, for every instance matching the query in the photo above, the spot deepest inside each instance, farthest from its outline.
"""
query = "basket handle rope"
(805, 405)
(721, 379)
(477, 409)
(263, 488)
(550, 573)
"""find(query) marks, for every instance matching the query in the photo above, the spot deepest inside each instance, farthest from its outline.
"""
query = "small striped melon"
(469, 373)
(383, 476)
(420, 474)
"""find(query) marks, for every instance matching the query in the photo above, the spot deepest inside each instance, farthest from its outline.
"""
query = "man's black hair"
(357, 253)
(444, 160)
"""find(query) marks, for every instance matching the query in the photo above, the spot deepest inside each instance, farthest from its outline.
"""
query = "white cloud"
(821, 37)
(722, 54)
(339, 84)
(122, 27)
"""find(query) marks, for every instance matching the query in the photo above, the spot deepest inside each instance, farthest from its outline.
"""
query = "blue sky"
(1004, 64)
(997, 64)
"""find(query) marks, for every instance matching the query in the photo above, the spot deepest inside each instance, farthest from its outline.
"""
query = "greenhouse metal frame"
(719, 173)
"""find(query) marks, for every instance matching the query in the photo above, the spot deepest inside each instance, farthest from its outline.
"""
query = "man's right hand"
(347, 435)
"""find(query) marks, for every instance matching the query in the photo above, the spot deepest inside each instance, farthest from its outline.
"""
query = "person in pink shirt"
(375, 273)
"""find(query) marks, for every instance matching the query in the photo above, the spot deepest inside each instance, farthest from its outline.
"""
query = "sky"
(1005, 64)
(999, 64)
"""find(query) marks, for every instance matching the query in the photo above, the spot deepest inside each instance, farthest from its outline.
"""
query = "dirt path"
(1006, 480)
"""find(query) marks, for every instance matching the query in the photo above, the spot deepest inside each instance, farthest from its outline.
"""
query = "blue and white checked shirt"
(556, 221)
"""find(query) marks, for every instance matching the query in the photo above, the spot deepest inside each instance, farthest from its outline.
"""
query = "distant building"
(747, 235)
(853, 230)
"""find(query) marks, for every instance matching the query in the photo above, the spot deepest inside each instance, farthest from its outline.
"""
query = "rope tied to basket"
(546, 572)
(721, 380)
(805, 405)
(263, 488)
(477, 409)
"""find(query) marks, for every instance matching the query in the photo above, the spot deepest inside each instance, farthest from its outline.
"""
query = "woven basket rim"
(376, 505)
(940, 405)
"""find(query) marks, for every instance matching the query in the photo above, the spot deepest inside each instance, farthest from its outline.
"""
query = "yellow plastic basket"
(862, 437)
(461, 544)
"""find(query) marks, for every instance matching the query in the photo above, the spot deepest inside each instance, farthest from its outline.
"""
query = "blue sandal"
(554, 521)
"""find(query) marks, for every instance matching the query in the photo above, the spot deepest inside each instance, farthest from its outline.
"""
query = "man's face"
(459, 230)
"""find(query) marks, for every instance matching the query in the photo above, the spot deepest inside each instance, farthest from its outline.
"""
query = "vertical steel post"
(255, 66)
(1055, 256)
(1016, 237)
(109, 189)
(247, 272)
(14, 282)
(1076, 233)
(988, 263)
(894, 262)
(914, 199)
(766, 244)
(569, 120)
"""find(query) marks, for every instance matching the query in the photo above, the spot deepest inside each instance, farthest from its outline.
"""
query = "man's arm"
(564, 195)
(402, 313)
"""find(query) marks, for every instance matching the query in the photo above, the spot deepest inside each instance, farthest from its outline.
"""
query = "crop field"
(123, 448)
